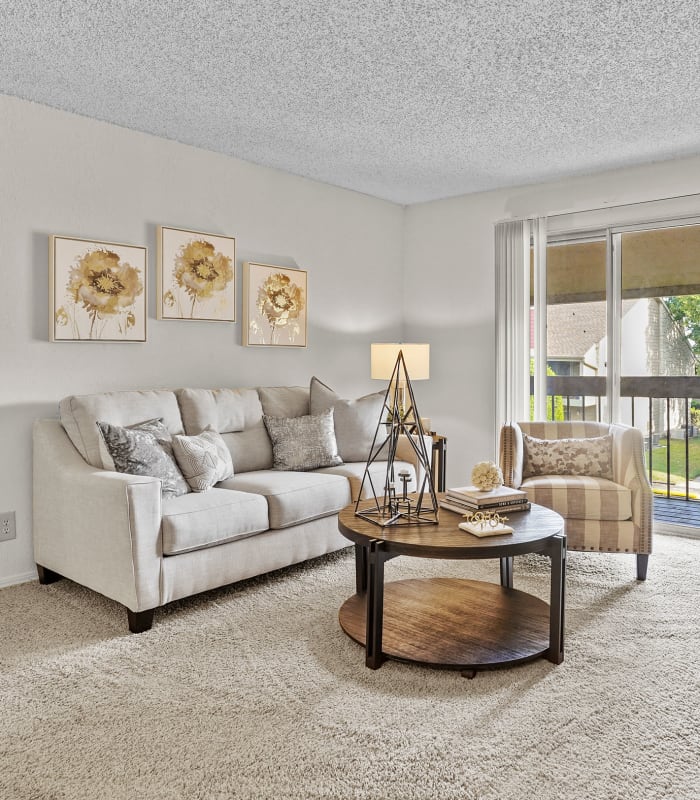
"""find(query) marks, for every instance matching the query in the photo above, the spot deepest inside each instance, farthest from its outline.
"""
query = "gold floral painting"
(196, 275)
(274, 305)
(97, 291)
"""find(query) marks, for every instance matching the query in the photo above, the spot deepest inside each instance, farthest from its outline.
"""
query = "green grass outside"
(677, 470)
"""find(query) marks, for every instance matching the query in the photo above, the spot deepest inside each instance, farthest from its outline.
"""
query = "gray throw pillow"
(591, 456)
(145, 449)
(355, 421)
(303, 443)
(203, 459)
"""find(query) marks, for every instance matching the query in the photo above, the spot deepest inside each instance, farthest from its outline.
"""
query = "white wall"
(64, 174)
(449, 286)
(60, 173)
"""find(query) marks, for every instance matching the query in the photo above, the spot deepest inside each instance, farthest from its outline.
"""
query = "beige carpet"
(254, 692)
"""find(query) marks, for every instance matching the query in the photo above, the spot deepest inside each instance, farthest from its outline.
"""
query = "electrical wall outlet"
(7, 526)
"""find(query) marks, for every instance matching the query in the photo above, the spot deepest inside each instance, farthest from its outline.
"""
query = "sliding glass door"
(576, 319)
(659, 323)
(621, 323)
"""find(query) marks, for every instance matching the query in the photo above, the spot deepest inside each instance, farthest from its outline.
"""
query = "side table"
(438, 461)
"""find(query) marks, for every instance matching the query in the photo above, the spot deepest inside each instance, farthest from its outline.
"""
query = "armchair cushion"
(580, 496)
(591, 456)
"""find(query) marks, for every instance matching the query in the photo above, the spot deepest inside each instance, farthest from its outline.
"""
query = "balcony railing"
(666, 412)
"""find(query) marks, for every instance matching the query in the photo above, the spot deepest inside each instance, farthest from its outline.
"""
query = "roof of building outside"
(573, 328)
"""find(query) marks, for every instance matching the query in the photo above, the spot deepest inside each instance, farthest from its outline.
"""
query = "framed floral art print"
(196, 276)
(97, 291)
(274, 306)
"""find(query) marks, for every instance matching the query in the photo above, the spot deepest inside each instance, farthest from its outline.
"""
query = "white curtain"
(513, 345)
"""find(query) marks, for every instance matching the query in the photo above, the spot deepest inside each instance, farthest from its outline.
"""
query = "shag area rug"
(254, 692)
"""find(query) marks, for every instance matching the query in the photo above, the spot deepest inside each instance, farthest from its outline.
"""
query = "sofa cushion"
(355, 472)
(80, 413)
(355, 421)
(294, 497)
(284, 401)
(222, 410)
(580, 496)
(250, 447)
(203, 459)
(205, 519)
(303, 443)
(580, 456)
(144, 449)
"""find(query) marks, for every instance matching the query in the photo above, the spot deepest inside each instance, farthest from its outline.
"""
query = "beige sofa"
(114, 532)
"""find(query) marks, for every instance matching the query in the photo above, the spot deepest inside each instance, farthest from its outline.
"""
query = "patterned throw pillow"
(145, 449)
(568, 456)
(303, 443)
(203, 459)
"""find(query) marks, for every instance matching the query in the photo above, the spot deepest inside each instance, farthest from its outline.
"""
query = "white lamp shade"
(416, 357)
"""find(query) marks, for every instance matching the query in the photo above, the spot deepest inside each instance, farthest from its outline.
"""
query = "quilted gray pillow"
(203, 459)
(592, 456)
(303, 443)
(145, 449)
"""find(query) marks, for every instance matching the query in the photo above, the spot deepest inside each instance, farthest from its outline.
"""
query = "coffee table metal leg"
(556, 602)
(507, 572)
(375, 605)
(360, 569)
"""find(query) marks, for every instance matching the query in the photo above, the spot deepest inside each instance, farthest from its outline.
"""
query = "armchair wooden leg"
(47, 575)
(140, 621)
(642, 564)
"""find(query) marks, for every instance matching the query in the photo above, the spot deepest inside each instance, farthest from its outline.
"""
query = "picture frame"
(97, 290)
(275, 306)
(196, 275)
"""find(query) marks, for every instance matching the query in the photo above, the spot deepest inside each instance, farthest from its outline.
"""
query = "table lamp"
(383, 357)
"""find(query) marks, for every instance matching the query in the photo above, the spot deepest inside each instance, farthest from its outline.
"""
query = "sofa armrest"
(98, 528)
(629, 470)
(406, 450)
(511, 454)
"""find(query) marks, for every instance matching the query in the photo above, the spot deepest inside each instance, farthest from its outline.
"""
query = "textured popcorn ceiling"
(408, 100)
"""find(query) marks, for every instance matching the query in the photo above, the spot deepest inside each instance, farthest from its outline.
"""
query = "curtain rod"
(602, 208)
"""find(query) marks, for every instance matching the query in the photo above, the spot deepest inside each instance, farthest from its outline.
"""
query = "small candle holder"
(404, 502)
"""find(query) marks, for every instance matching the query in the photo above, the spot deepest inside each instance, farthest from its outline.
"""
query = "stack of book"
(468, 499)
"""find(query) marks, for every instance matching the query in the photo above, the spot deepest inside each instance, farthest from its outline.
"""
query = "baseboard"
(671, 529)
(13, 580)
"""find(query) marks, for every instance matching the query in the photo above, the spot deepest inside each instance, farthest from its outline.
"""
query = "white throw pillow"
(204, 459)
(355, 421)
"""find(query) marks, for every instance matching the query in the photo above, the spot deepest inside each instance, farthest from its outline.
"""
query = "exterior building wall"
(652, 344)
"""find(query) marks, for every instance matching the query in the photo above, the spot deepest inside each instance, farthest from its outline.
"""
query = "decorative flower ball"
(486, 475)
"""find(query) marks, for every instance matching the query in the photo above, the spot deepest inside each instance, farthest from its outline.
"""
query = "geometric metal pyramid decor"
(391, 503)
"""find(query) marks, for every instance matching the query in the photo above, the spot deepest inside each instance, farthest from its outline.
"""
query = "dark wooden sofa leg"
(642, 564)
(47, 575)
(140, 621)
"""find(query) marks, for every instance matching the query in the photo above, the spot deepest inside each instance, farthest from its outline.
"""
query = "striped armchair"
(609, 511)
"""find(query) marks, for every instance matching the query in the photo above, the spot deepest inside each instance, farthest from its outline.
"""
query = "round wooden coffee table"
(454, 623)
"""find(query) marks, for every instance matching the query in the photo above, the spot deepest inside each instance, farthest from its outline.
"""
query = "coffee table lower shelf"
(453, 623)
